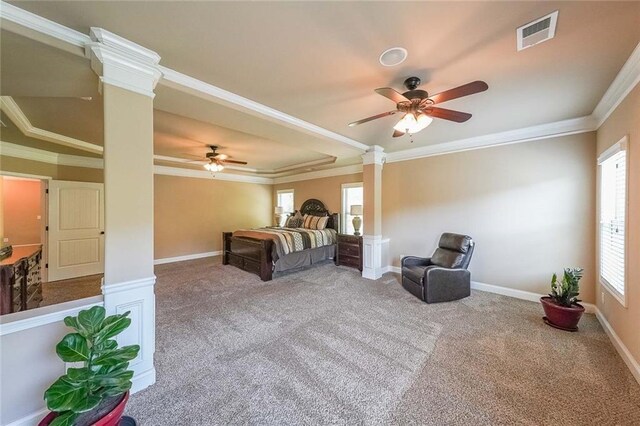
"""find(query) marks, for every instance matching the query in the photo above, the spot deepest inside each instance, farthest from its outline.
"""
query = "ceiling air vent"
(537, 31)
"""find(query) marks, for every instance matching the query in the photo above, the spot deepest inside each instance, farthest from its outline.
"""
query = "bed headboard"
(316, 208)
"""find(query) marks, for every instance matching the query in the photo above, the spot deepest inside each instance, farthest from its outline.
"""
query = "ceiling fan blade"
(234, 162)
(447, 114)
(397, 134)
(373, 117)
(458, 92)
(392, 94)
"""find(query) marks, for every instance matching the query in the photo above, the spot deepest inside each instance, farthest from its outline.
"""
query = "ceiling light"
(394, 56)
(213, 167)
(409, 124)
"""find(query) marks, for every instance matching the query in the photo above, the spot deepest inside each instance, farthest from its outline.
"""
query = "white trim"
(187, 257)
(113, 288)
(203, 174)
(30, 419)
(621, 145)
(143, 380)
(375, 155)
(17, 116)
(625, 81)
(24, 175)
(34, 154)
(525, 134)
(622, 350)
(121, 44)
(19, 321)
(336, 171)
(183, 82)
(42, 25)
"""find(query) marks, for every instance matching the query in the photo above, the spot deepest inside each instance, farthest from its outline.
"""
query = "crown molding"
(526, 134)
(625, 81)
(203, 174)
(33, 154)
(12, 15)
(318, 174)
(375, 155)
(15, 114)
(123, 63)
(183, 82)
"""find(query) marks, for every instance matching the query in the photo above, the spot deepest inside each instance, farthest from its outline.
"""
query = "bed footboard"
(248, 254)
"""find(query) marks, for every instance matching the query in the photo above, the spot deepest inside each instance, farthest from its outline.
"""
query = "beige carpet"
(324, 346)
(72, 289)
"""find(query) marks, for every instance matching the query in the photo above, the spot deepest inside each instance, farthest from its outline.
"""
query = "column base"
(372, 256)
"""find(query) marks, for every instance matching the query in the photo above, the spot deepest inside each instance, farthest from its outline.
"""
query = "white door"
(76, 225)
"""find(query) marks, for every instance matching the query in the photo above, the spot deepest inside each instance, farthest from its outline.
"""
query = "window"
(352, 194)
(285, 200)
(613, 207)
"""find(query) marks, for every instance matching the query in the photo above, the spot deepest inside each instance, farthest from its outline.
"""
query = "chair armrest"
(444, 284)
(415, 261)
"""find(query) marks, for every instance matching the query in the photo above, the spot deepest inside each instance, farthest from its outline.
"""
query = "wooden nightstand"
(349, 251)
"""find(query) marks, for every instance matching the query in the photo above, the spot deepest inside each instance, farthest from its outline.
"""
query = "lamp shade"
(278, 210)
(356, 210)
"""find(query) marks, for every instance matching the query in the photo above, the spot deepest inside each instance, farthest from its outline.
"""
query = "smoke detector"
(538, 31)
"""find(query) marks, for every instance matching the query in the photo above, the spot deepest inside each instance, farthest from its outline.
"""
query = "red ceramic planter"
(562, 317)
(110, 419)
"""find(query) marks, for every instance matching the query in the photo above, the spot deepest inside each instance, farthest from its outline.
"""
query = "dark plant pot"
(106, 414)
(562, 317)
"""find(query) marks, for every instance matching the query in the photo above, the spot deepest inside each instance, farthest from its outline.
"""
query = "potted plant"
(561, 307)
(97, 392)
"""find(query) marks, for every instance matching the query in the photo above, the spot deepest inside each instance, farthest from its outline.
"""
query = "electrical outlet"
(6, 240)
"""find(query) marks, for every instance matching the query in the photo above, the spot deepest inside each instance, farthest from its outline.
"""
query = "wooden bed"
(256, 255)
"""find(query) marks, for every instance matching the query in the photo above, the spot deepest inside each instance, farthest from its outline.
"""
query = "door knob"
(102, 233)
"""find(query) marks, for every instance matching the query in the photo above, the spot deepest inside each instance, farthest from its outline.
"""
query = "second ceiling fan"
(418, 107)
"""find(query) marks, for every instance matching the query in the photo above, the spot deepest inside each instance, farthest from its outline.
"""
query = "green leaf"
(118, 356)
(114, 379)
(78, 375)
(86, 403)
(91, 319)
(63, 394)
(72, 322)
(112, 326)
(73, 348)
(64, 419)
(107, 345)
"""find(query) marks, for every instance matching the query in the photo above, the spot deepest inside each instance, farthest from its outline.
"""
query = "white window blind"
(352, 193)
(613, 201)
(285, 200)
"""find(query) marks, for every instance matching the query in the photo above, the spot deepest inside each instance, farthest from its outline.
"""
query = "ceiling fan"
(218, 161)
(418, 107)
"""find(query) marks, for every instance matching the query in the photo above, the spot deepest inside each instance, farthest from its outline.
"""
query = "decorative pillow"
(322, 223)
(294, 221)
(306, 222)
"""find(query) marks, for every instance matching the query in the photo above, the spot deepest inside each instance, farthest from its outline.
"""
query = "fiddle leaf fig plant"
(565, 292)
(104, 372)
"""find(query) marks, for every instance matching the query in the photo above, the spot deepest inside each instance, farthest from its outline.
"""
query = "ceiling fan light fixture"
(409, 123)
(393, 56)
(213, 167)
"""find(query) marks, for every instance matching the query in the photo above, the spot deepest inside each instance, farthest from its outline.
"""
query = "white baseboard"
(143, 380)
(623, 351)
(30, 420)
(187, 257)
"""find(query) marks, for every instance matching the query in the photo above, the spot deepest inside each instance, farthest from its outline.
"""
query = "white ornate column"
(128, 75)
(372, 162)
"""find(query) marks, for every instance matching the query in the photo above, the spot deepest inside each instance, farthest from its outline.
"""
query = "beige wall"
(530, 207)
(625, 120)
(328, 190)
(21, 201)
(191, 214)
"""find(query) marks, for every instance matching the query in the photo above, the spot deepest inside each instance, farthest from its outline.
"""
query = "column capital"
(374, 155)
(123, 63)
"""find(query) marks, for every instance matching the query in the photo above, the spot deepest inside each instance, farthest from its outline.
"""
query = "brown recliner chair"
(443, 276)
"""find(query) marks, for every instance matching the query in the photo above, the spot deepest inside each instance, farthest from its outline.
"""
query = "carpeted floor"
(324, 346)
(71, 289)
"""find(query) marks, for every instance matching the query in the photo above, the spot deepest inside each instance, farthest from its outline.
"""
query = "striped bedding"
(289, 240)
